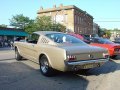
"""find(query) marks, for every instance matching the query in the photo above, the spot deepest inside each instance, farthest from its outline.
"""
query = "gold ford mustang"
(59, 51)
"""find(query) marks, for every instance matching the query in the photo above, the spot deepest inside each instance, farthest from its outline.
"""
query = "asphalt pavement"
(25, 75)
(7, 53)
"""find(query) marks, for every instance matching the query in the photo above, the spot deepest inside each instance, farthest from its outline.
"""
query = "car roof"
(100, 38)
(46, 32)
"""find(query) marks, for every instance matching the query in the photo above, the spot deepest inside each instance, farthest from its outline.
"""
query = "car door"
(30, 46)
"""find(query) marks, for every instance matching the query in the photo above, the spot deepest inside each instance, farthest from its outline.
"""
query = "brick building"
(75, 19)
(95, 28)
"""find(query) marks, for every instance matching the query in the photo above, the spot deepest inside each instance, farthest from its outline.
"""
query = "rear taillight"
(106, 55)
(71, 57)
(117, 49)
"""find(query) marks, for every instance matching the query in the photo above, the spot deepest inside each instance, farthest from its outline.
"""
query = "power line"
(107, 21)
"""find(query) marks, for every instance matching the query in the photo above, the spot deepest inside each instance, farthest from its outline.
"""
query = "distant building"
(95, 28)
(115, 33)
(75, 19)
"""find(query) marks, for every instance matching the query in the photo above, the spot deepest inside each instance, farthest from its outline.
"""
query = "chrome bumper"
(83, 62)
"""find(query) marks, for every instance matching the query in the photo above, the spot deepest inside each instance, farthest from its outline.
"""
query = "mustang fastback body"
(59, 51)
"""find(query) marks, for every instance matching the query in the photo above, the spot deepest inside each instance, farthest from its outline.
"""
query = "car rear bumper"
(82, 62)
(85, 64)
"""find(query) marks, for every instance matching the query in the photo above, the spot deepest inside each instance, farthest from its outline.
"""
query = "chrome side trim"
(86, 62)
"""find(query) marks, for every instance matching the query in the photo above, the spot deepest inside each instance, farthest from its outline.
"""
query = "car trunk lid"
(85, 52)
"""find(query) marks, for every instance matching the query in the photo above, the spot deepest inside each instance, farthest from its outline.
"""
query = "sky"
(106, 13)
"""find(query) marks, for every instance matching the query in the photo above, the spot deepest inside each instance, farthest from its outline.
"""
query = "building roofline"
(75, 7)
(62, 8)
(4, 28)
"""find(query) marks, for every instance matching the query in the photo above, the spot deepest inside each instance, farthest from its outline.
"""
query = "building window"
(75, 19)
(65, 18)
(78, 29)
(75, 29)
(59, 18)
(54, 19)
(80, 20)
(50, 13)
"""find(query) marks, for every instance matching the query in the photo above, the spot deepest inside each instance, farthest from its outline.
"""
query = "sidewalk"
(5, 48)
(6, 53)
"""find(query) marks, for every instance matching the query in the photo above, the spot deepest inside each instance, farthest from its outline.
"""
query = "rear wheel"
(18, 57)
(45, 68)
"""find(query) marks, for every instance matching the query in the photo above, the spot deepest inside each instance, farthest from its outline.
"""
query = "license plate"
(89, 66)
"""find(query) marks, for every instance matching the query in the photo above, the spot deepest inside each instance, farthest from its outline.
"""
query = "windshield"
(64, 38)
(105, 41)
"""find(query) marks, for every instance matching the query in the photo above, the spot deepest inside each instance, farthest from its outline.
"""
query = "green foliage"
(43, 23)
(105, 32)
(3, 26)
(58, 27)
(31, 27)
(20, 21)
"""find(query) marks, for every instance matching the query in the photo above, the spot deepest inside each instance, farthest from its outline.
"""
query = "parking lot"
(25, 75)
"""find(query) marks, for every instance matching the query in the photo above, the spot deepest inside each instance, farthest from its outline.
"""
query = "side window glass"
(95, 41)
(33, 38)
(100, 41)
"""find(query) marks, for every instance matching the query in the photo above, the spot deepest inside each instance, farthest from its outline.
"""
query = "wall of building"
(95, 28)
(73, 18)
(65, 17)
(83, 22)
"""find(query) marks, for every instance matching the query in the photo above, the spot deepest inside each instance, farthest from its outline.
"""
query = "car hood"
(84, 49)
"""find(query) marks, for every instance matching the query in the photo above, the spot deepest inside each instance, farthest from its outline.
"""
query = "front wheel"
(45, 68)
(18, 57)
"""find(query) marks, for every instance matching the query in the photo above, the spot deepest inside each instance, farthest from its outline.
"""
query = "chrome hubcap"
(44, 65)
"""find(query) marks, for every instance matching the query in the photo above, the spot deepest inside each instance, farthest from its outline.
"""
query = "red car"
(114, 49)
(79, 36)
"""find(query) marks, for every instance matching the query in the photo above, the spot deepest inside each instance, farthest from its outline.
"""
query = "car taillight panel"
(71, 57)
(117, 49)
(106, 55)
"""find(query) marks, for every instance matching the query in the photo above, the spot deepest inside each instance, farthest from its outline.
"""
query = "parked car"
(117, 40)
(113, 48)
(60, 51)
(80, 37)
(89, 37)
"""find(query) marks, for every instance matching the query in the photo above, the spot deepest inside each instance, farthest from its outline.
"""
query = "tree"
(45, 23)
(3, 26)
(58, 27)
(107, 32)
(20, 21)
(31, 27)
